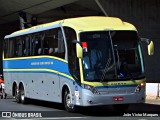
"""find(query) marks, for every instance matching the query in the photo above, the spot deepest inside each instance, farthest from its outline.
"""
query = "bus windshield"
(111, 55)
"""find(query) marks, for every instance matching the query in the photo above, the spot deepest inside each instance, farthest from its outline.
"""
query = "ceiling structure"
(47, 10)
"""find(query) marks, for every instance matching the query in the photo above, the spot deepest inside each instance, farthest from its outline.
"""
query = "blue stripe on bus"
(37, 63)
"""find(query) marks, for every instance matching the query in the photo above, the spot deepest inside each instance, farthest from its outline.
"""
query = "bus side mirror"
(150, 45)
(151, 48)
(79, 49)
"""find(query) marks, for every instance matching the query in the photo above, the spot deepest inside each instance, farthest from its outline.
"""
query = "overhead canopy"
(46, 9)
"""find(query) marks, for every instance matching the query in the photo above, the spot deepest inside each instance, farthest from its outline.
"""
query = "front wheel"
(67, 102)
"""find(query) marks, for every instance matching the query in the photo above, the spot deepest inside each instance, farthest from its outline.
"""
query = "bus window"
(26, 48)
(12, 49)
(47, 43)
(6, 48)
(61, 52)
(42, 50)
(19, 45)
(36, 44)
(53, 43)
(73, 62)
(57, 41)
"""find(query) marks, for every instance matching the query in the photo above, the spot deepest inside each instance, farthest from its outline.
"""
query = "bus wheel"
(121, 108)
(17, 95)
(22, 95)
(67, 102)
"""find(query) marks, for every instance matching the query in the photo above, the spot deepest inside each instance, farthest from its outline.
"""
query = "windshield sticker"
(84, 46)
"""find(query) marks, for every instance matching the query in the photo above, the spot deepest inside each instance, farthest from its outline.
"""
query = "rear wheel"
(17, 95)
(22, 95)
(67, 102)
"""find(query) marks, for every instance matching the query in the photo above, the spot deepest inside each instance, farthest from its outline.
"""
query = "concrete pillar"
(101, 7)
(24, 19)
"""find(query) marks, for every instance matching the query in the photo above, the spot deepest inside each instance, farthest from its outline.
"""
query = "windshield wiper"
(107, 68)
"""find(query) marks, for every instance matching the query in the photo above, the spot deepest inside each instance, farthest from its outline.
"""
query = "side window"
(6, 48)
(12, 43)
(73, 61)
(12, 48)
(60, 50)
(60, 42)
(49, 42)
(53, 43)
(61, 47)
(36, 44)
(26, 45)
(45, 43)
(19, 46)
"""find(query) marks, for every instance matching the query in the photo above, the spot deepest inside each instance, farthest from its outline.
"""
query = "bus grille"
(118, 91)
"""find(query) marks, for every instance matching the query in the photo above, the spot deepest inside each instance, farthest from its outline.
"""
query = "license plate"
(118, 98)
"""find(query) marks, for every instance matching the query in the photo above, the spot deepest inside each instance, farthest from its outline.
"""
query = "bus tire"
(67, 100)
(121, 108)
(22, 95)
(17, 95)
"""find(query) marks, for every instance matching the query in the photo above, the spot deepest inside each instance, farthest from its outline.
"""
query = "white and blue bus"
(85, 61)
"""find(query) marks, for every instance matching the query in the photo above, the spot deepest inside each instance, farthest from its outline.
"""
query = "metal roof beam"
(101, 7)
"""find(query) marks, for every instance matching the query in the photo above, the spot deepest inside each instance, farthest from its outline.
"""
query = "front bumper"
(90, 99)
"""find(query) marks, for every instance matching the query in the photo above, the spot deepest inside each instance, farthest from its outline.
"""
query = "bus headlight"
(138, 88)
(91, 88)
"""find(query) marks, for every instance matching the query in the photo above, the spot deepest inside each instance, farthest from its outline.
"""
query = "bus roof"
(98, 23)
(93, 23)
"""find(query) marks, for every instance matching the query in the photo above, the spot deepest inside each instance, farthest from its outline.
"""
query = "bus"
(83, 61)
